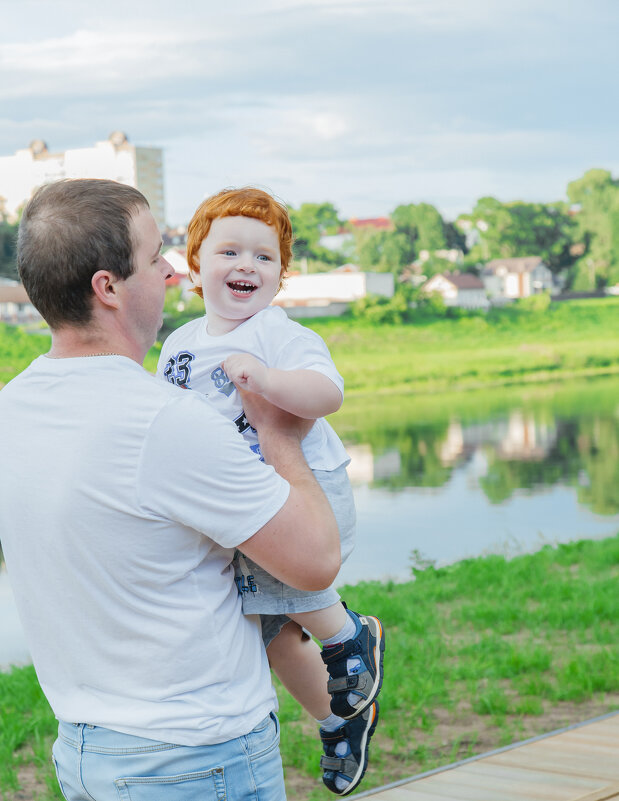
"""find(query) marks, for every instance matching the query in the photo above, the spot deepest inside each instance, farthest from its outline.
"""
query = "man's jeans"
(95, 764)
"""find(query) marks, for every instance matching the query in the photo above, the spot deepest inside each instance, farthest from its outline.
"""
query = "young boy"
(238, 249)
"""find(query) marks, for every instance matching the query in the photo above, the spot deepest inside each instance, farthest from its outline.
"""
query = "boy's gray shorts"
(264, 595)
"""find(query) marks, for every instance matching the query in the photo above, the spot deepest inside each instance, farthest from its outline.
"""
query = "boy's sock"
(331, 723)
(347, 632)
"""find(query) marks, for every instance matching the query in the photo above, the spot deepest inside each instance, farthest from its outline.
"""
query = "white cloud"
(92, 61)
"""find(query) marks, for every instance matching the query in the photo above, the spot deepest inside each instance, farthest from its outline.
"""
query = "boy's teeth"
(241, 286)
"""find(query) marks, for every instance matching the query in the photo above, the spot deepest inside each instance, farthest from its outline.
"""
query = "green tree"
(508, 230)
(8, 249)
(597, 225)
(417, 227)
(384, 251)
(423, 224)
(309, 222)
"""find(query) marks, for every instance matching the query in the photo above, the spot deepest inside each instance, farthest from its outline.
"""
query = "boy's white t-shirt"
(120, 565)
(191, 358)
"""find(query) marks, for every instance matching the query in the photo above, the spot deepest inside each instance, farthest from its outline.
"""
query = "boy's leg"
(323, 623)
(297, 661)
(353, 654)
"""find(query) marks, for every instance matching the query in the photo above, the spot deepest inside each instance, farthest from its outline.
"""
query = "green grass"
(27, 729)
(494, 647)
(479, 654)
(503, 347)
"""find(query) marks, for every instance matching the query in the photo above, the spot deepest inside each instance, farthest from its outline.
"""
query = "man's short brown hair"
(69, 230)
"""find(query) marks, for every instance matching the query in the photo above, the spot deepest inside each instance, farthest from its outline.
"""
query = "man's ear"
(104, 286)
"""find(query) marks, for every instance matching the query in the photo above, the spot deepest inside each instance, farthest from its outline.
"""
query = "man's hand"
(246, 372)
(270, 420)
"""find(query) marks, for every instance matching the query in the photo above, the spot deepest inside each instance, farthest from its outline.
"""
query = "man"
(122, 499)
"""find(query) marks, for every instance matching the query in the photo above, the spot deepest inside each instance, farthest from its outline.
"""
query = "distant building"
(342, 241)
(459, 289)
(509, 279)
(15, 306)
(330, 294)
(452, 255)
(115, 159)
(177, 257)
(174, 237)
(379, 223)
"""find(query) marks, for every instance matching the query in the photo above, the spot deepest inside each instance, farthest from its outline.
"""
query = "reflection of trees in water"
(560, 464)
(584, 455)
(579, 452)
(419, 463)
(599, 449)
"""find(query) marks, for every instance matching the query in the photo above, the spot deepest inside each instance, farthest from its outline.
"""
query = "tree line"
(578, 238)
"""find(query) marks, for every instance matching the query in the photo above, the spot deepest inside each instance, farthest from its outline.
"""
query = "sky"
(367, 104)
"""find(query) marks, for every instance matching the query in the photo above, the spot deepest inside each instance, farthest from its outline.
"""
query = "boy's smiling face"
(240, 268)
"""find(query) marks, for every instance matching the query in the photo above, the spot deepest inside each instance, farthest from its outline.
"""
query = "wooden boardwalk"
(580, 763)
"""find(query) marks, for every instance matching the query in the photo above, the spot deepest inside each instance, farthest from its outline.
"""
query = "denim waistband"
(85, 737)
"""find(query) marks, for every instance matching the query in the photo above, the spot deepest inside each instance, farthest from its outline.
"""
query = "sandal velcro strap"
(333, 763)
(339, 652)
(342, 684)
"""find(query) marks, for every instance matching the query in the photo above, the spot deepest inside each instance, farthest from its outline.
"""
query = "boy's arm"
(305, 393)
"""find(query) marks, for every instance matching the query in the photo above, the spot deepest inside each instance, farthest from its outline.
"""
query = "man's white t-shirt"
(191, 358)
(120, 562)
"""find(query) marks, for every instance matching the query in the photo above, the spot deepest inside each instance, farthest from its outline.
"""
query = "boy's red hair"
(245, 202)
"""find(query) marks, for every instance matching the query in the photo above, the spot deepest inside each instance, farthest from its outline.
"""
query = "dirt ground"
(439, 742)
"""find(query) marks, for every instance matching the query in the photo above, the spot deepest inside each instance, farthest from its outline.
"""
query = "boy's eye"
(229, 253)
(264, 257)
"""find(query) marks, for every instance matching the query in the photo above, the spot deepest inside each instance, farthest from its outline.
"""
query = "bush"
(378, 309)
(534, 303)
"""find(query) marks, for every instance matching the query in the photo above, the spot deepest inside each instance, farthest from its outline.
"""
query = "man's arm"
(300, 545)
(305, 393)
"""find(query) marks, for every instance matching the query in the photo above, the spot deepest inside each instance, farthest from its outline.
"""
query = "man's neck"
(70, 342)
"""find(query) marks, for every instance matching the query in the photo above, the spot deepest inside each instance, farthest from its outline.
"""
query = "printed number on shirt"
(222, 382)
(178, 369)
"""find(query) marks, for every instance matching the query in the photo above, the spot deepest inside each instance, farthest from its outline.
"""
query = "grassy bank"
(503, 347)
(479, 654)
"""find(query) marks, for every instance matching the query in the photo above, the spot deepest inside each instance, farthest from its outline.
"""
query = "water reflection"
(456, 477)
(520, 451)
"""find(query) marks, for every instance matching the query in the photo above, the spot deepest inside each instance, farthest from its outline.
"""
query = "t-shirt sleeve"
(307, 351)
(197, 470)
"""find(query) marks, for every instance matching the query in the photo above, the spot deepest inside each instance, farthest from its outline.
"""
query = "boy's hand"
(246, 372)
